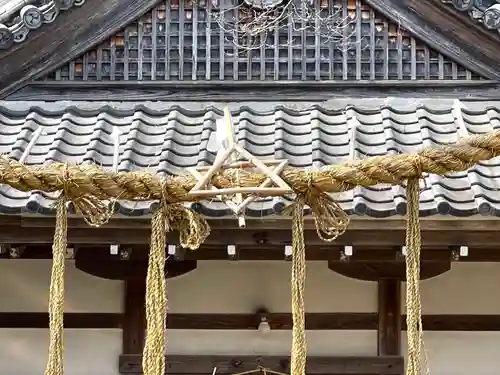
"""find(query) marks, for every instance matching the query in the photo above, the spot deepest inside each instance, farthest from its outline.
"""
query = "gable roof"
(183, 41)
(19, 17)
(167, 138)
(447, 30)
(68, 36)
(86, 27)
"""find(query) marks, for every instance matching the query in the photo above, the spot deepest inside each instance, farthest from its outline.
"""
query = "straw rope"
(193, 231)
(153, 360)
(299, 345)
(92, 187)
(92, 181)
(413, 310)
(56, 292)
(413, 303)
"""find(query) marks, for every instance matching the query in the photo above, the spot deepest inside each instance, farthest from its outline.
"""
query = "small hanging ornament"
(238, 198)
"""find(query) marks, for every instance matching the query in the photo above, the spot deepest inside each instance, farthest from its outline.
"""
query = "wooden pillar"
(389, 317)
(134, 318)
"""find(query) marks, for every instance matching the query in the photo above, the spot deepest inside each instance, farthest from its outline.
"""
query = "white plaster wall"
(241, 287)
(468, 288)
(87, 352)
(25, 288)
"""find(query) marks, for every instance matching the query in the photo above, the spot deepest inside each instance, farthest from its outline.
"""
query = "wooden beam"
(117, 269)
(389, 317)
(351, 321)
(277, 321)
(278, 238)
(244, 91)
(376, 270)
(134, 318)
(70, 35)
(372, 263)
(71, 320)
(489, 224)
(449, 32)
(198, 364)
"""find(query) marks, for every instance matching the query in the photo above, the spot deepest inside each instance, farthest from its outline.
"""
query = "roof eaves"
(480, 11)
(18, 18)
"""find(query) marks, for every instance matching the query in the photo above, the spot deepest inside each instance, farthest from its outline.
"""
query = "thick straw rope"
(91, 185)
(95, 213)
(92, 181)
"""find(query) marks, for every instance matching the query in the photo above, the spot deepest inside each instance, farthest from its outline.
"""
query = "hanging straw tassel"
(413, 304)
(153, 360)
(299, 344)
(331, 221)
(56, 294)
(193, 230)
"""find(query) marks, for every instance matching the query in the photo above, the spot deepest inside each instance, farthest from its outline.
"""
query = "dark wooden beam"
(369, 263)
(71, 320)
(242, 237)
(134, 318)
(277, 321)
(389, 317)
(183, 364)
(114, 268)
(394, 269)
(356, 224)
(448, 31)
(351, 321)
(244, 91)
(70, 35)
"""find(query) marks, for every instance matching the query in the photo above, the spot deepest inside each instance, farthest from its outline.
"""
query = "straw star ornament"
(239, 197)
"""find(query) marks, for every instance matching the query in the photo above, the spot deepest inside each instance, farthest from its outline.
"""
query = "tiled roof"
(168, 137)
(19, 17)
(485, 12)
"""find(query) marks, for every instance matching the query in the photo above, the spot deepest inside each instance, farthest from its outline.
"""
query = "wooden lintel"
(199, 364)
(27, 320)
(375, 238)
(233, 91)
(383, 269)
(351, 321)
(435, 259)
(356, 224)
(389, 317)
(117, 269)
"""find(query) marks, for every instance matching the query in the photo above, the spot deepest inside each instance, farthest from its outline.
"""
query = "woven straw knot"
(94, 210)
(192, 227)
(330, 219)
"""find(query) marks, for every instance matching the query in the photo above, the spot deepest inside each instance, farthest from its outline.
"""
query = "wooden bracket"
(238, 198)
